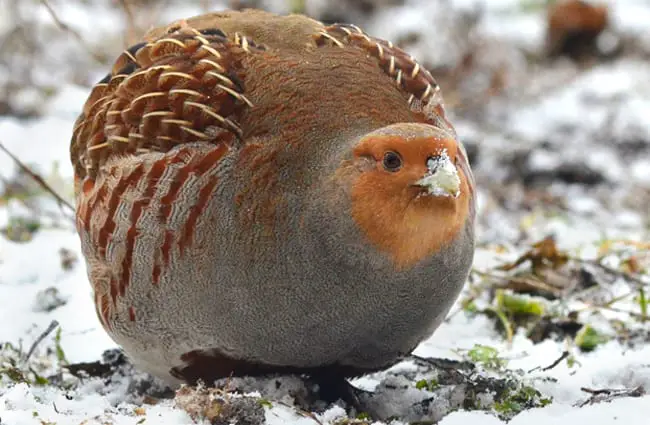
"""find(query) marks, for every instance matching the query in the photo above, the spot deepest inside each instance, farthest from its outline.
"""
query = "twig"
(65, 27)
(445, 364)
(563, 356)
(625, 275)
(62, 202)
(53, 325)
(132, 28)
(606, 394)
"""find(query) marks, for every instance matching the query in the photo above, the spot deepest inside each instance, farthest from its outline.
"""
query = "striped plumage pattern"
(178, 89)
(182, 88)
(103, 217)
(183, 128)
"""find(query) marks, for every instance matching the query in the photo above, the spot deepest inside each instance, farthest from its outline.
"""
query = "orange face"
(413, 193)
(421, 166)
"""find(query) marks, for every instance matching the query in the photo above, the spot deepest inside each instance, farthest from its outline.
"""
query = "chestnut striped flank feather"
(154, 185)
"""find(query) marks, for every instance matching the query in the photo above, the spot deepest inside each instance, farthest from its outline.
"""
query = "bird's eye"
(392, 161)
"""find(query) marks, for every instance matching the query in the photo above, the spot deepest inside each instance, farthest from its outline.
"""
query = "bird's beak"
(441, 178)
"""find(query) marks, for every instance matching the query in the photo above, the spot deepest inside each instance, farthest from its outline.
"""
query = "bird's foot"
(332, 389)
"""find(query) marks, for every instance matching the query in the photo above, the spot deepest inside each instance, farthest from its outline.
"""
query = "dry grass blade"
(62, 202)
(65, 27)
(564, 355)
(524, 283)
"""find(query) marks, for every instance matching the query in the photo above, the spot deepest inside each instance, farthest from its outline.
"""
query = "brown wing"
(183, 87)
(297, 32)
(185, 83)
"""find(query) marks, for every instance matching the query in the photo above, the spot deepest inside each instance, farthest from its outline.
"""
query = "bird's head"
(411, 189)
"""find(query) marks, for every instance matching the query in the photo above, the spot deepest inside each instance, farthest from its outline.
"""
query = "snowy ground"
(555, 119)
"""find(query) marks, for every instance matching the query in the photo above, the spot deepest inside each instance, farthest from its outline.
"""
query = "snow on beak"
(441, 178)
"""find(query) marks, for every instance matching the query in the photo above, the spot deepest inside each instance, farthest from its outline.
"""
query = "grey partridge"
(267, 194)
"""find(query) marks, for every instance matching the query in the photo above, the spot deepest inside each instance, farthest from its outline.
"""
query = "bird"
(264, 194)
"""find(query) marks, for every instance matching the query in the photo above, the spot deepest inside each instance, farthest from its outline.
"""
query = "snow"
(611, 96)
(625, 411)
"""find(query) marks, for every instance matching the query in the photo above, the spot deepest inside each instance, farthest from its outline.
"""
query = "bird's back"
(225, 77)
(286, 33)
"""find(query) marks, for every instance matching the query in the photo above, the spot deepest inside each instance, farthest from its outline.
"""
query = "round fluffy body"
(257, 194)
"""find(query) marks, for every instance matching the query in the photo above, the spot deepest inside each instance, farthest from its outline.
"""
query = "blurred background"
(550, 97)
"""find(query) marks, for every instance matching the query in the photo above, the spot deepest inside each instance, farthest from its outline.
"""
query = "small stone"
(49, 299)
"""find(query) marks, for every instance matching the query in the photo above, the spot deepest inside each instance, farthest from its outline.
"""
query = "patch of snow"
(415, 29)
(527, 31)
(607, 104)
(640, 171)
(630, 17)
(624, 411)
